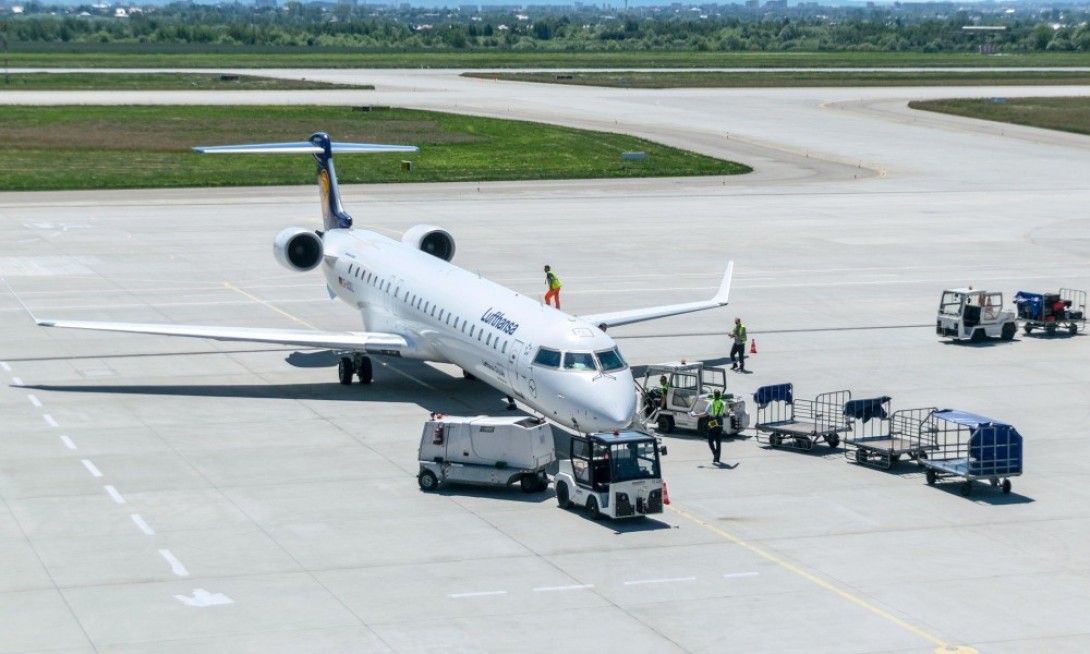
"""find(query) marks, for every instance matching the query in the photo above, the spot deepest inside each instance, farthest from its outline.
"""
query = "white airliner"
(415, 304)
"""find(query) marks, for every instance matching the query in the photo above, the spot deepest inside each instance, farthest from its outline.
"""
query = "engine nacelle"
(436, 241)
(298, 249)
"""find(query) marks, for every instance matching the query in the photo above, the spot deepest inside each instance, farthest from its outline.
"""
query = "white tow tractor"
(968, 314)
(486, 451)
(689, 391)
(615, 475)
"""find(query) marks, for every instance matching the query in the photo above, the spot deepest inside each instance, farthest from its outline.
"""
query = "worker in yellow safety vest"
(553, 284)
(717, 413)
(738, 335)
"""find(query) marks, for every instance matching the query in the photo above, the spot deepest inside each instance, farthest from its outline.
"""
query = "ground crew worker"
(664, 388)
(717, 412)
(738, 333)
(553, 284)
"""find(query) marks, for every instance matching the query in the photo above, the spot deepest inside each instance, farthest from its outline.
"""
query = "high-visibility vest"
(717, 408)
(739, 333)
(553, 280)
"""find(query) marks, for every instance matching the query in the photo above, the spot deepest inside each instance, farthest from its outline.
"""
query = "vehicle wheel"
(365, 370)
(528, 483)
(427, 480)
(542, 483)
(702, 426)
(562, 499)
(1027, 328)
(774, 440)
(804, 442)
(978, 336)
(887, 462)
(666, 424)
(966, 488)
(1073, 328)
(860, 456)
(895, 458)
(1006, 486)
(931, 477)
(345, 370)
(833, 440)
(592, 508)
(1008, 331)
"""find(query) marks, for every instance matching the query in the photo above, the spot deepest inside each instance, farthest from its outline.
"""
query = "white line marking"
(142, 525)
(114, 494)
(15, 381)
(733, 575)
(546, 589)
(34, 400)
(658, 581)
(91, 468)
(49, 420)
(175, 565)
(68, 442)
(5, 366)
(481, 594)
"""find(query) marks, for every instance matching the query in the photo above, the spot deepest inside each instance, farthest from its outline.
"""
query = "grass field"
(1065, 114)
(96, 147)
(107, 81)
(791, 78)
(110, 55)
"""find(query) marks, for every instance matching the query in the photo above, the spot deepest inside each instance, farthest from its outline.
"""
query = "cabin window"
(504, 350)
(488, 341)
(471, 330)
(611, 360)
(440, 315)
(547, 358)
(579, 361)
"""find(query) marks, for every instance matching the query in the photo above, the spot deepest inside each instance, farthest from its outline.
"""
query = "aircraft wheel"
(592, 508)
(562, 499)
(345, 370)
(364, 370)
(427, 480)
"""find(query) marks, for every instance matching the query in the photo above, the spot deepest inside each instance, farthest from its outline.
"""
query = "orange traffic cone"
(665, 493)
(753, 346)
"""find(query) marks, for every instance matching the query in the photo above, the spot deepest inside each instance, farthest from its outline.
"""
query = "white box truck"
(485, 451)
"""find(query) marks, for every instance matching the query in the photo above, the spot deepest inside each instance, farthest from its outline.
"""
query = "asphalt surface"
(176, 495)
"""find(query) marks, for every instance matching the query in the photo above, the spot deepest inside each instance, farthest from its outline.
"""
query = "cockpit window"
(547, 358)
(579, 361)
(611, 360)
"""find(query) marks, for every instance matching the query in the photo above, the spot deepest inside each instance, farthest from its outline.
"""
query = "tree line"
(346, 26)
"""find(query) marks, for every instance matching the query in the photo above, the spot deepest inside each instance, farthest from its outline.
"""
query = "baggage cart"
(1051, 311)
(973, 447)
(782, 420)
(881, 438)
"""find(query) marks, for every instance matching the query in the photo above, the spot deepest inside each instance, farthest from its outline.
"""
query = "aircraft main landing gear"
(357, 364)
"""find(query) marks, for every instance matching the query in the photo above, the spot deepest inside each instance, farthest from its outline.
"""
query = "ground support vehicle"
(486, 451)
(783, 420)
(1051, 311)
(880, 438)
(967, 314)
(973, 447)
(615, 475)
(691, 386)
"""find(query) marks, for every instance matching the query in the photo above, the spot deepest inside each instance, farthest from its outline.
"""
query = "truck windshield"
(634, 461)
(611, 360)
(951, 304)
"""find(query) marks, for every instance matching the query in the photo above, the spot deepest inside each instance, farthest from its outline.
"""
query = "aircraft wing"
(362, 341)
(615, 318)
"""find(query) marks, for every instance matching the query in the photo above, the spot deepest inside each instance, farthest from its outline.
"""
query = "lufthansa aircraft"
(415, 304)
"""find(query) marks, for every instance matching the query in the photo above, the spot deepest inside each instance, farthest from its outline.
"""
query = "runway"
(176, 495)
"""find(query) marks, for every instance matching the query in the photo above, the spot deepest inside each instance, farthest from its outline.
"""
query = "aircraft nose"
(613, 402)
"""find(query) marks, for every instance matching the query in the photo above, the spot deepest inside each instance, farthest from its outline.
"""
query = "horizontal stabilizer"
(616, 318)
(361, 341)
(304, 147)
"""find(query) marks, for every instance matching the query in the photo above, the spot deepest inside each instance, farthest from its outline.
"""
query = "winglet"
(723, 293)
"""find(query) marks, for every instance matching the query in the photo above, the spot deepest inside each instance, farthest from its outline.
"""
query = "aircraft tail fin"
(319, 145)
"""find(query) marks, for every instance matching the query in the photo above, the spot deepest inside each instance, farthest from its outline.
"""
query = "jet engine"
(436, 241)
(298, 249)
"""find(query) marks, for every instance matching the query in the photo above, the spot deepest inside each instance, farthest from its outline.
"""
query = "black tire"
(666, 424)
(542, 483)
(860, 456)
(1073, 328)
(894, 458)
(427, 480)
(1027, 328)
(529, 483)
(592, 508)
(978, 335)
(833, 440)
(1006, 486)
(365, 371)
(562, 499)
(931, 477)
(702, 426)
(774, 440)
(966, 488)
(887, 462)
(345, 370)
(1008, 331)
(1050, 329)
